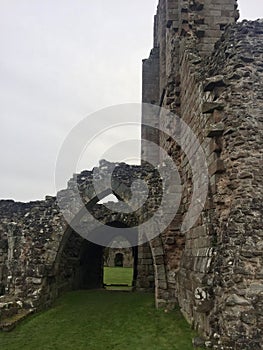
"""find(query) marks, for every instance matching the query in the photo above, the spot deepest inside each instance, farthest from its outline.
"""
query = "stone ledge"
(215, 130)
(10, 323)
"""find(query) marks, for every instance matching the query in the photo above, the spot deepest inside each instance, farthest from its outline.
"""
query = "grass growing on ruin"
(99, 320)
(118, 275)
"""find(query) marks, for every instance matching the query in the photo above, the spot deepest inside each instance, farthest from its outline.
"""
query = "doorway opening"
(86, 265)
(120, 264)
(118, 260)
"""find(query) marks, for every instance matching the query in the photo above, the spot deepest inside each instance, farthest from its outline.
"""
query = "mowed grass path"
(118, 275)
(98, 320)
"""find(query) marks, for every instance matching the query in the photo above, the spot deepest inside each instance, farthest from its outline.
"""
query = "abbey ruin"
(207, 68)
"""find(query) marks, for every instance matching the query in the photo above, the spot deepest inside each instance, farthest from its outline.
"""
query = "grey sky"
(60, 61)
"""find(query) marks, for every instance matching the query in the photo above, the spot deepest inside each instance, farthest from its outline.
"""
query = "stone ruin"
(41, 255)
(207, 68)
(118, 257)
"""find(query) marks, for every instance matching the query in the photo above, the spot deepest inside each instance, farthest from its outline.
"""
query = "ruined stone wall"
(145, 280)
(126, 260)
(31, 229)
(237, 192)
(227, 106)
(9, 211)
(214, 270)
(41, 255)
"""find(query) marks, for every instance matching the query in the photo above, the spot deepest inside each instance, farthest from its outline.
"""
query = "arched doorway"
(118, 260)
(81, 262)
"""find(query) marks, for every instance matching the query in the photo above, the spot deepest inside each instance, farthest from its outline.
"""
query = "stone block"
(36, 280)
(234, 299)
(213, 82)
(215, 130)
(210, 107)
(217, 167)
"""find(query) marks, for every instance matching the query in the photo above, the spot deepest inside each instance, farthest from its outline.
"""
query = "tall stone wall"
(212, 79)
(208, 70)
(237, 192)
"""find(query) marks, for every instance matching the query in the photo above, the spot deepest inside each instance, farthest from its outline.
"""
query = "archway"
(45, 249)
(118, 260)
(80, 263)
(81, 191)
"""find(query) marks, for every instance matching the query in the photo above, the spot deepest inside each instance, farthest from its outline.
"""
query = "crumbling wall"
(212, 293)
(237, 192)
(126, 255)
(30, 228)
(214, 270)
(41, 255)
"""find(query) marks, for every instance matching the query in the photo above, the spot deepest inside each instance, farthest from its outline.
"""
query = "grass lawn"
(101, 320)
(118, 275)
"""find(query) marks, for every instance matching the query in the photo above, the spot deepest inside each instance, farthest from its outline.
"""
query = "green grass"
(118, 275)
(101, 320)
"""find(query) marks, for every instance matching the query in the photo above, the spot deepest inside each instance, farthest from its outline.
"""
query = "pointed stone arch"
(41, 265)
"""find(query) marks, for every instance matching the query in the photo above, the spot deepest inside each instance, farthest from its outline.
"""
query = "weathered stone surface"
(209, 71)
(43, 256)
(215, 130)
(236, 300)
(209, 107)
(210, 74)
(213, 82)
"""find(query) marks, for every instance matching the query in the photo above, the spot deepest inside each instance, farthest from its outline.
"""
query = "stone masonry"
(207, 69)
(40, 253)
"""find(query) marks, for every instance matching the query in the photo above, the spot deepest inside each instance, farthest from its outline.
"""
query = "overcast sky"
(60, 61)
